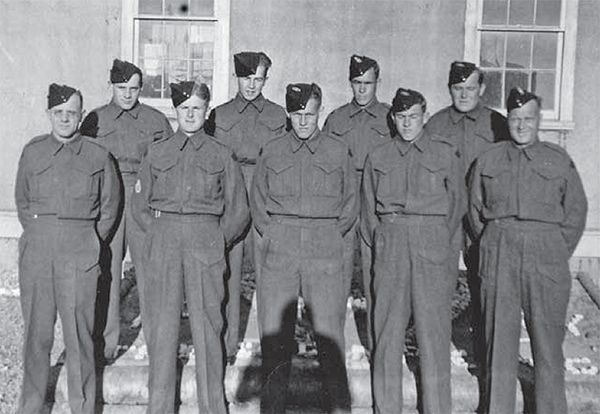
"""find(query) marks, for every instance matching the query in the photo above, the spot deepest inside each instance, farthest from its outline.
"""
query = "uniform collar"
(311, 143)
(473, 114)
(369, 108)
(197, 140)
(115, 111)
(421, 143)
(531, 151)
(241, 104)
(74, 144)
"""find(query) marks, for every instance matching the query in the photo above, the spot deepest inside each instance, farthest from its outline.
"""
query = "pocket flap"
(280, 165)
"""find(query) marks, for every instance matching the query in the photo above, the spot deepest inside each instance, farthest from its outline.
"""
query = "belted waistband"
(158, 214)
(524, 225)
(56, 220)
(412, 219)
(304, 221)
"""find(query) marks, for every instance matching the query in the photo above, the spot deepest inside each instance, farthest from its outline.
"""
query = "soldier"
(528, 208)
(245, 124)
(68, 197)
(303, 201)
(192, 204)
(362, 124)
(474, 128)
(410, 208)
(125, 127)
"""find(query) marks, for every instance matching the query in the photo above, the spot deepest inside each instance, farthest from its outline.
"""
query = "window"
(177, 40)
(527, 43)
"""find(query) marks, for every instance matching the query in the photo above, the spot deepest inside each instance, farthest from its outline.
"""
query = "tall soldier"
(412, 201)
(68, 198)
(125, 127)
(528, 208)
(473, 128)
(245, 124)
(192, 203)
(362, 124)
(303, 202)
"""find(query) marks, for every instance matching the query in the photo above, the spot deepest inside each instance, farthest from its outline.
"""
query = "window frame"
(563, 120)
(221, 18)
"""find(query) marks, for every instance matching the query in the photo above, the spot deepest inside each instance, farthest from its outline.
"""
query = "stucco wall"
(62, 41)
(312, 41)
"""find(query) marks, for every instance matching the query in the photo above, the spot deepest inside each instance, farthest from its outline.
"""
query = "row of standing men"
(179, 202)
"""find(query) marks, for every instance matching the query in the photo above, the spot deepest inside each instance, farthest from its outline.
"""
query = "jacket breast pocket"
(209, 177)
(283, 178)
(43, 182)
(164, 177)
(85, 180)
(389, 181)
(496, 186)
(327, 179)
(431, 178)
(547, 185)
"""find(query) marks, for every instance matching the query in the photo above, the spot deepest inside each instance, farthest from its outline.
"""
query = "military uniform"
(303, 201)
(68, 198)
(127, 135)
(192, 205)
(245, 126)
(410, 208)
(529, 208)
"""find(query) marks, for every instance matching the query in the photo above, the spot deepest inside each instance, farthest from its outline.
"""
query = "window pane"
(177, 8)
(514, 79)
(202, 8)
(494, 11)
(521, 12)
(153, 86)
(493, 90)
(548, 13)
(177, 39)
(202, 71)
(150, 7)
(544, 50)
(542, 84)
(177, 71)
(492, 50)
(151, 40)
(518, 50)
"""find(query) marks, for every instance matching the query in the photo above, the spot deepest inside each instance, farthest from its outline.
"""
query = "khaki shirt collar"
(311, 143)
(73, 145)
(531, 151)
(197, 140)
(473, 114)
(369, 108)
(115, 111)
(241, 104)
(420, 143)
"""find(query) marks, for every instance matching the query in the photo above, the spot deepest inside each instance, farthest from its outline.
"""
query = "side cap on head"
(460, 72)
(297, 95)
(359, 65)
(181, 92)
(59, 94)
(122, 71)
(405, 99)
(519, 97)
(246, 63)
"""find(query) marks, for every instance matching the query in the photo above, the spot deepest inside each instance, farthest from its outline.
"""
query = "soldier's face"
(251, 86)
(466, 95)
(306, 121)
(410, 123)
(191, 114)
(364, 87)
(524, 122)
(65, 117)
(126, 94)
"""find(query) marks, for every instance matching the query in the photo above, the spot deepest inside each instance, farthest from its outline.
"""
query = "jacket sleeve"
(575, 210)
(111, 200)
(22, 192)
(475, 206)
(258, 196)
(140, 198)
(368, 216)
(236, 216)
(458, 195)
(350, 205)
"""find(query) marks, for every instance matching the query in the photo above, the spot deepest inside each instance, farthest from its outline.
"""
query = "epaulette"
(37, 139)
(151, 109)
(441, 138)
(554, 147)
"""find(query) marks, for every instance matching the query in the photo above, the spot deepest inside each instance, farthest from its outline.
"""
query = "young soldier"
(362, 124)
(245, 124)
(528, 208)
(473, 128)
(303, 201)
(192, 204)
(68, 199)
(125, 127)
(410, 209)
